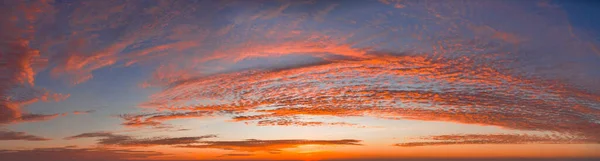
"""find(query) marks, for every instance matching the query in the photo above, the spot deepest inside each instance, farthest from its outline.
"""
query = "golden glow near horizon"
(298, 80)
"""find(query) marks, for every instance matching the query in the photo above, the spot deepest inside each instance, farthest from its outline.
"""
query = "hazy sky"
(299, 80)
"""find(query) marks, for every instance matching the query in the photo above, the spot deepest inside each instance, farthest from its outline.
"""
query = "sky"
(124, 80)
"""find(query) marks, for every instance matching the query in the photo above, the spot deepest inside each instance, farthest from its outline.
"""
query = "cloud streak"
(110, 139)
(156, 119)
(255, 145)
(68, 153)
(12, 135)
(76, 112)
(493, 139)
(200, 142)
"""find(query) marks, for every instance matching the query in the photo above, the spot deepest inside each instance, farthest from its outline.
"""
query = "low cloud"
(12, 135)
(110, 139)
(236, 155)
(39, 117)
(254, 145)
(69, 153)
(494, 139)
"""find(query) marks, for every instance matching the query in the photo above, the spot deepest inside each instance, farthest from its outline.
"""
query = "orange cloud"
(319, 46)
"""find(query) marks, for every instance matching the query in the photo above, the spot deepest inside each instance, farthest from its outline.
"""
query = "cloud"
(468, 89)
(16, 98)
(517, 77)
(39, 117)
(395, 3)
(83, 112)
(250, 145)
(107, 138)
(271, 12)
(494, 139)
(68, 153)
(156, 119)
(236, 155)
(319, 46)
(20, 61)
(12, 135)
(292, 122)
(254, 145)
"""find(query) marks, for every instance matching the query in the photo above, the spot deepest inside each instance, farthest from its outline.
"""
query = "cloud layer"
(200, 142)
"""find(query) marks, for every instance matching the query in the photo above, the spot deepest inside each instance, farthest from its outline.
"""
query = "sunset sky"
(102, 80)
